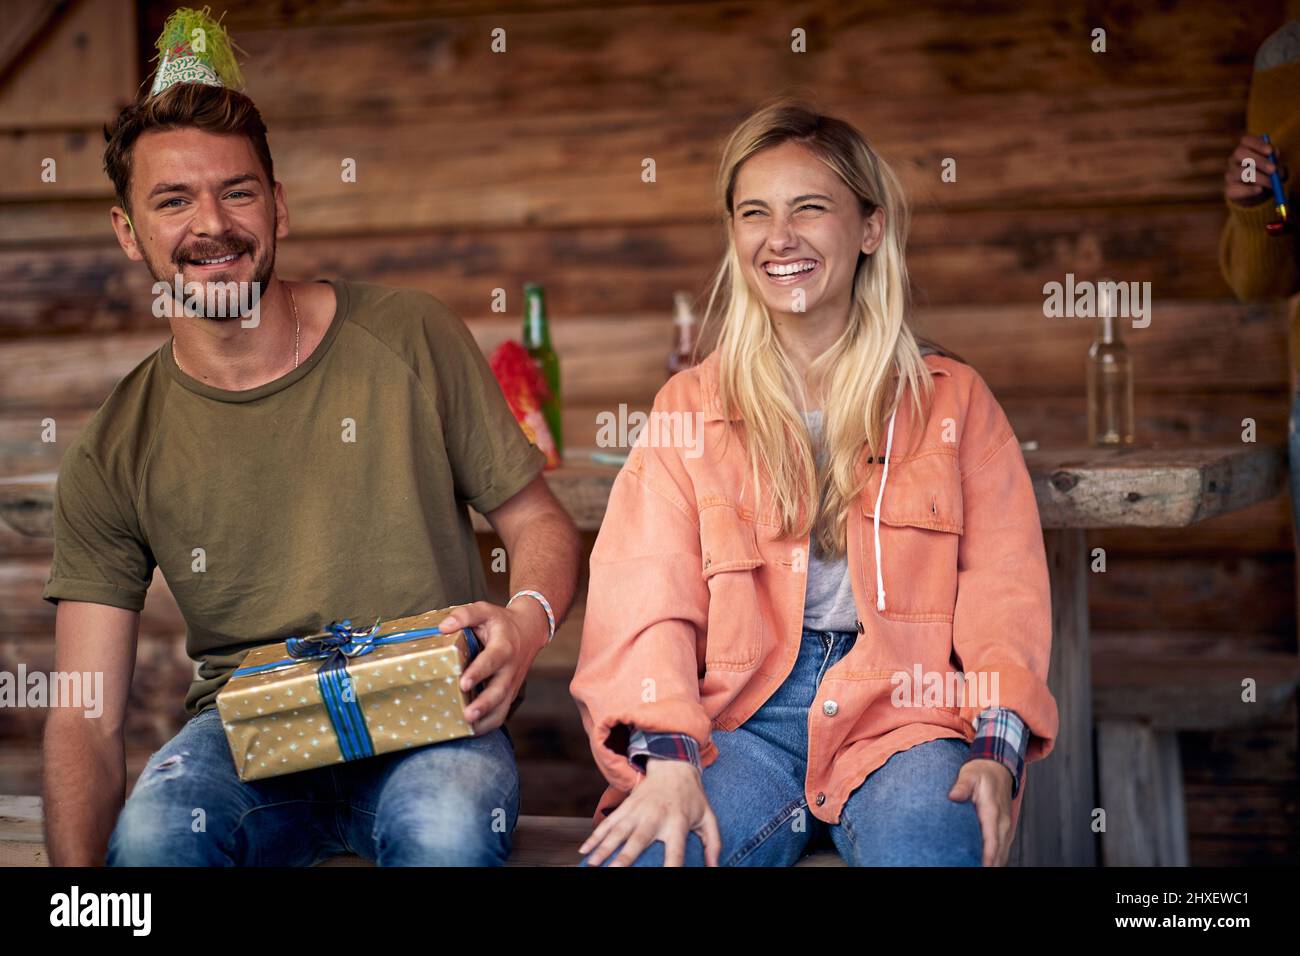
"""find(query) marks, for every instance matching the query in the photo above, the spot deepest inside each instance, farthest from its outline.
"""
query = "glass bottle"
(1110, 378)
(685, 334)
(537, 342)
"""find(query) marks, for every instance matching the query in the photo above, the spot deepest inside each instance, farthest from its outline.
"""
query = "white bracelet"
(546, 606)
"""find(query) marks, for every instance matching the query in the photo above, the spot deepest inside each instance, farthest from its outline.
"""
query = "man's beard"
(263, 267)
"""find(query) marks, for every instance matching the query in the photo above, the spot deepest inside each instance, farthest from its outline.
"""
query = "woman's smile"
(790, 271)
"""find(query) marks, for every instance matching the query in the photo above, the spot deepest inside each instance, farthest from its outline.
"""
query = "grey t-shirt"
(828, 600)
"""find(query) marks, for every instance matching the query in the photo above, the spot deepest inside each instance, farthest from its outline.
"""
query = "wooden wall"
(479, 170)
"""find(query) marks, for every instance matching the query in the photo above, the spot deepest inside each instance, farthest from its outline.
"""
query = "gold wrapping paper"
(409, 692)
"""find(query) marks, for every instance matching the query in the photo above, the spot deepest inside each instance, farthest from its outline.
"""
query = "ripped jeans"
(453, 803)
(899, 816)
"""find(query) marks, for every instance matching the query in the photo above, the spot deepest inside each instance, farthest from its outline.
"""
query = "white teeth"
(212, 262)
(774, 269)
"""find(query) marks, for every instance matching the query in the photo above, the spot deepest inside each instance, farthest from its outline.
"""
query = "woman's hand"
(989, 784)
(667, 805)
(1251, 194)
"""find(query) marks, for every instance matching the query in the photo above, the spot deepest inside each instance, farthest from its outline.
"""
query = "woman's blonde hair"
(862, 370)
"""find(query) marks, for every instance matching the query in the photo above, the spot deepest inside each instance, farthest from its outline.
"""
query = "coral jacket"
(695, 605)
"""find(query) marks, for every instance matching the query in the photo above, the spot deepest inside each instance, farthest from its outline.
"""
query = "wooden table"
(1077, 488)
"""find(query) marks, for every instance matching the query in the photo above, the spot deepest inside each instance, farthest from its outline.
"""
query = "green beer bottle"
(537, 341)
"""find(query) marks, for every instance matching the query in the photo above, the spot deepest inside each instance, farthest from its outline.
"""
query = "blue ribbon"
(334, 648)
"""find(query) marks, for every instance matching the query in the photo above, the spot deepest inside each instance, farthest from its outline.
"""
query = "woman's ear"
(873, 230)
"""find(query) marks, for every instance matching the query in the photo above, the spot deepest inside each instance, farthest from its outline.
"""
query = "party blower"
(1282, 224)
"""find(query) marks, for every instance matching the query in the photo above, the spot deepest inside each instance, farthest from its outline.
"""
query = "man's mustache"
(211, 250)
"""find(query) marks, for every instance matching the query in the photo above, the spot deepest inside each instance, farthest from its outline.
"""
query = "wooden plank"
(1142, 793)
(20, 770)
(22, 843)
(23, 453)
(68, 64)
(1267, 811)
(1265, 753)
(1164, 418)
(1075, 487)
(1189, 643)
(23, 613)
(53, 222)
(1192, 693)
(1213, 850)
(1249, 593)
(1189, 346)
(62, 273)
(46, 375)
(1265, 527)
(27, 23)
(568, 59)
(1016, 350)
(1133, 146)
(1151, 487)
(1172, 418)
(1060, 791)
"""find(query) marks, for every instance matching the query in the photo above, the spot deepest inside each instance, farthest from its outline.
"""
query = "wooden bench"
(1140, 702)
(539, 841)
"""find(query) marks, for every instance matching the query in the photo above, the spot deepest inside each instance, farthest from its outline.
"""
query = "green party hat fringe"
(194, 48)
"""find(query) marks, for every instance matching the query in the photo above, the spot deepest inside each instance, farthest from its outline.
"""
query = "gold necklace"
(297, 328)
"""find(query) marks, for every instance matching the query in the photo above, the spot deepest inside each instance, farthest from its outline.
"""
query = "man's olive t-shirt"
(336, 491)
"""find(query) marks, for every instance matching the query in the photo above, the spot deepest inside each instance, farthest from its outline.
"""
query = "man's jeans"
(899, 816)
(453, 803)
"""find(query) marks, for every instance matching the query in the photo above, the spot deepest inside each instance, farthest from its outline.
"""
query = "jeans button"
(830, 708)
(821, 798)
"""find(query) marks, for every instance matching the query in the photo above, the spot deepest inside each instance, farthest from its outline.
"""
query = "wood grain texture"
(1142, 794)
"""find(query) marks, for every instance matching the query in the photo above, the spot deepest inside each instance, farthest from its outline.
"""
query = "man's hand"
(510, 637)
(989, 784)
(1250, 194)
(667, 805)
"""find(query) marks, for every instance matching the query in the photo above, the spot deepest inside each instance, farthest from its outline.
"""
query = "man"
(302, 460)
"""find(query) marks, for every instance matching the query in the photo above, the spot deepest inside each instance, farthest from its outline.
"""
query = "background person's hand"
(667, 805)
(988, 783)
(510, 641)
(1251, 194)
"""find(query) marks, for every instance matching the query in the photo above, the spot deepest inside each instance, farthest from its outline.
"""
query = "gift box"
(347, 693)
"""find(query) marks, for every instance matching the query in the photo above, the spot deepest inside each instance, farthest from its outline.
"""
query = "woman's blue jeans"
(899, 816)
(453, 803)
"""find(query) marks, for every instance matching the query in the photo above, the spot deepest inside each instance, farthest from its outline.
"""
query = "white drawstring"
(880, 578)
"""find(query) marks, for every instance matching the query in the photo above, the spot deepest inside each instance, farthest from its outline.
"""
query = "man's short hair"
(214, 109)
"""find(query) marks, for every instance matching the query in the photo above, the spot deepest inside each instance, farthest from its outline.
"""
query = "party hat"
(194, 48)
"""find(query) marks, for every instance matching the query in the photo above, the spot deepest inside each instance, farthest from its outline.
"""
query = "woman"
(792, 603)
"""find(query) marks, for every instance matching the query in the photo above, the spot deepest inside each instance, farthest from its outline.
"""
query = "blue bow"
(339, 639)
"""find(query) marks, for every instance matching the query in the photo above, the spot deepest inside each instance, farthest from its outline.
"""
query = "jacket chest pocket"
(729, 563)
(921, 524)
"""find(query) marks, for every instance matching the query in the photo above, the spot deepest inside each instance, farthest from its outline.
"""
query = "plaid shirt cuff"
(1002, 736)
(643, 746)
